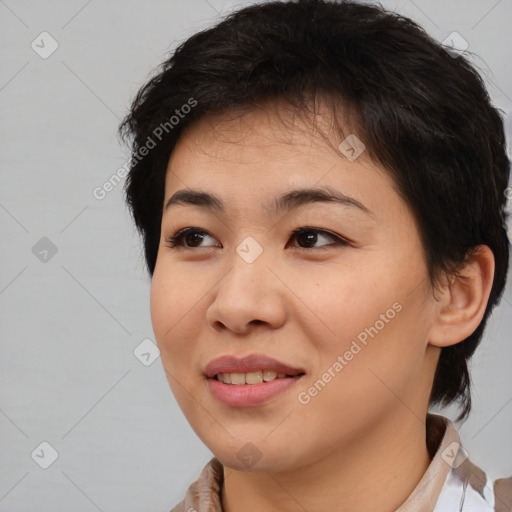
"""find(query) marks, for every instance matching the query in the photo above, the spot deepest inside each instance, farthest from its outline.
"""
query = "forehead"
(269, 134)
(265, 153)
(258, 135)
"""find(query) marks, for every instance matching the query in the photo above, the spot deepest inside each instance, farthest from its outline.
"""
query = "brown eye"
(188, 238)
(308, 237)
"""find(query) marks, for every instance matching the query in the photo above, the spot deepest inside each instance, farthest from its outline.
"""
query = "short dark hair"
(422, 112)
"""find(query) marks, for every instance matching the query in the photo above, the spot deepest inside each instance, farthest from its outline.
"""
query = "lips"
(247, 364)
(250, 395)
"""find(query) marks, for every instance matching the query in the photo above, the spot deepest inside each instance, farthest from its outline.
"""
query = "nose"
(248, 296)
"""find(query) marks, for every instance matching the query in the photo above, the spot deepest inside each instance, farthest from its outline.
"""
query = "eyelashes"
(185, 236)
(178, 238)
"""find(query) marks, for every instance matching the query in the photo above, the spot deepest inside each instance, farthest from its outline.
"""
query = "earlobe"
(463, 299)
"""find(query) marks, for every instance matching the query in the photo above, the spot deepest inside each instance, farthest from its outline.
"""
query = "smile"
(251, 377)
(250, 380)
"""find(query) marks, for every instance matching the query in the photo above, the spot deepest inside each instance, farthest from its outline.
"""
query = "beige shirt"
(452, 483)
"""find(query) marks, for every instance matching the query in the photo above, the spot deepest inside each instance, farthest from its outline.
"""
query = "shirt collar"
(443, 444)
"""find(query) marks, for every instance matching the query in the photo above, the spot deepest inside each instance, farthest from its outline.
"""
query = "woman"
(321, 187)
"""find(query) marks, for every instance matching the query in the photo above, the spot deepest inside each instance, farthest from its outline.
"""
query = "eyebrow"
(283, 203)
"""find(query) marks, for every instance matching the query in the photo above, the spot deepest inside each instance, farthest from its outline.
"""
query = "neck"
(377, 472)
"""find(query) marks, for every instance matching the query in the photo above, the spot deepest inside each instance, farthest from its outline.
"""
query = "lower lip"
(246, 395)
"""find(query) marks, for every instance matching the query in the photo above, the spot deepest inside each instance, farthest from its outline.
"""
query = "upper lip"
(249, 363)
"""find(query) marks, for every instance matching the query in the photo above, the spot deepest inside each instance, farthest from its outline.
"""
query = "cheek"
(348, 301)
(175, 314)
(371, 319)
(162, 304)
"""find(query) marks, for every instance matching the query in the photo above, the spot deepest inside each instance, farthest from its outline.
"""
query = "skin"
(365, 430)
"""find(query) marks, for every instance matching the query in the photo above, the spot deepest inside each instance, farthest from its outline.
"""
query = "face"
(336, 291)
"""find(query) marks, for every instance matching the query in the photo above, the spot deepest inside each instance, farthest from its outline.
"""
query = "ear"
(462, 299)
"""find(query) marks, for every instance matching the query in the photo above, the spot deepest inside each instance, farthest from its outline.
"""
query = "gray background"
(70, 321)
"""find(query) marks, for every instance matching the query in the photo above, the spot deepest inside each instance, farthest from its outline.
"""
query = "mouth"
(251, 380)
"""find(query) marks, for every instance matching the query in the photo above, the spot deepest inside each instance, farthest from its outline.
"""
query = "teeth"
(249, 378)
(238, 378)
(269, 375)
(253, 377)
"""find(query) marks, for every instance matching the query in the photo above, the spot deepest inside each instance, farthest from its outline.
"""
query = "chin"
(256, 457)
(264, 464)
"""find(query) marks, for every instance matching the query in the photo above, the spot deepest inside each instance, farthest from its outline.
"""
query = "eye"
(310, 236)
(191, 238)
